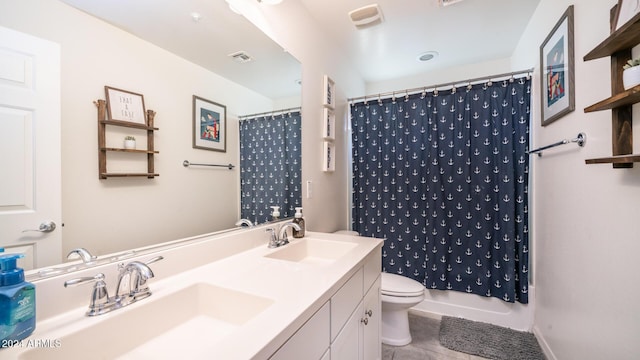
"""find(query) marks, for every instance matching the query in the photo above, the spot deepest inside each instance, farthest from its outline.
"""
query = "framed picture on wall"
(329, 158)
(328, 93)
(328, 124)
(557, 75)
(125, 105)
(209, 125)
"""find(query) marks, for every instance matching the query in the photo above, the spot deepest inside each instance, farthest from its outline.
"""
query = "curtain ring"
(489, 83)
(453, 88)
(379, 100)
(435, 91)
(424, 93)
(393, 97)
(365, 100)
(469, 86)
(511, 79)
(406, 95)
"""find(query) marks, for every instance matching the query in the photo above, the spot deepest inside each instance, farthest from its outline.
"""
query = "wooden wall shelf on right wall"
(618, 46)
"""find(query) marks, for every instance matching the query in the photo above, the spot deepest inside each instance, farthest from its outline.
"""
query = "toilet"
(399, 294)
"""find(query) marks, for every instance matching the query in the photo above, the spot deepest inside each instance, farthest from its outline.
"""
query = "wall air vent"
(366, 16)
(241, 57)
(447, 2)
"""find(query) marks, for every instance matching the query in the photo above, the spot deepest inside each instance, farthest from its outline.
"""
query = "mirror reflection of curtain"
(270, 165)
(443, 177)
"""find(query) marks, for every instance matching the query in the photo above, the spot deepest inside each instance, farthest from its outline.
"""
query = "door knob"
(45, 227)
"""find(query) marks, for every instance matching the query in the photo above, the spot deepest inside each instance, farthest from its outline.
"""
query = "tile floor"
(425, 345)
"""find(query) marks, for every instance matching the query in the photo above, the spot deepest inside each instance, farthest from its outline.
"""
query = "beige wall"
(585, 217)
(115, 214)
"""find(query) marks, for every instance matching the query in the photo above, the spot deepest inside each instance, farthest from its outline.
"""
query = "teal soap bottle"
(17, 301)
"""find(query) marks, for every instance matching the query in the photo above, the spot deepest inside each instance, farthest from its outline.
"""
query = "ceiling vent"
(241, 57)
(447, 2)
(366, 16)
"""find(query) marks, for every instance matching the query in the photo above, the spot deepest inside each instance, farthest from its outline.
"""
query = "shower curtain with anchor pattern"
(443, 177)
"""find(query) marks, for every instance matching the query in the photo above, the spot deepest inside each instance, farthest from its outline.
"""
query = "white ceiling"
(471, 31)
(467, 32)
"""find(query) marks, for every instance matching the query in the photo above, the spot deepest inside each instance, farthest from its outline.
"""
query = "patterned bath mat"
(487, 340)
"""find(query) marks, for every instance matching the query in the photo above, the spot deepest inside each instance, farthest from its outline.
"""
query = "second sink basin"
(313, 251)
(160, 328)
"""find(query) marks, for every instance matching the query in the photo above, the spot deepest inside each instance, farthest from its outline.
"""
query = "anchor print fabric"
(443, 177)
(270, 166)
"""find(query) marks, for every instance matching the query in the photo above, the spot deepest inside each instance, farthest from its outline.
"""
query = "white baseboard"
(543, 344)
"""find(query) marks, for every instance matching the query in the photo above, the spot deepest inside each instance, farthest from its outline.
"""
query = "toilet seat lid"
(397, 285)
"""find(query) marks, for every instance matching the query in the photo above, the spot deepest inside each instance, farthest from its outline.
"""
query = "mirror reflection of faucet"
(83, 254)
(244, 222)
(132, 286)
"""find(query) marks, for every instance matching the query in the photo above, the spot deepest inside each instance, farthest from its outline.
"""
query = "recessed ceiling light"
(429, 55)
(270, 2)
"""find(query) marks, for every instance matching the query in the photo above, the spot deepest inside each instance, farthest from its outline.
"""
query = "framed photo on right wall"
(557, 74)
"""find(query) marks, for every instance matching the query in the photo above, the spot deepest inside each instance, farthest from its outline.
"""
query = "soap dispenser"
(298, 219)
(17, 301)
(275, 215)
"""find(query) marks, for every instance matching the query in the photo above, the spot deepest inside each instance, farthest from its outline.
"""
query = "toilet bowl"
(399, 293)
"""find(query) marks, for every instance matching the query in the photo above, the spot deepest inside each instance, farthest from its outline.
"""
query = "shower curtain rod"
(453, 83)
(274, 112)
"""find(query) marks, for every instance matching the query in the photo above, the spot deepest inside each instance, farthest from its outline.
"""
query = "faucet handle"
(100, 302)
(273, 239)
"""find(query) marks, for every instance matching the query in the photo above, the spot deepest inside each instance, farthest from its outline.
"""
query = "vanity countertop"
(291, 293)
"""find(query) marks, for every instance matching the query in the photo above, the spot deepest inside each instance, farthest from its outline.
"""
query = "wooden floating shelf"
(629, 97)
(621, 39)
(617, 159)
(131, 150)
(108, 175)
(128, 124)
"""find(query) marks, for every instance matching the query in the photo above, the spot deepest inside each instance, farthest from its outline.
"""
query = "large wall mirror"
(210, 35)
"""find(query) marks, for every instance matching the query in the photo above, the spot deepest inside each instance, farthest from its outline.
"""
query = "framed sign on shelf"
(125, 106)
(209, 125)
(329, 157)
(557, 74)
(328, 93)
(328, 124)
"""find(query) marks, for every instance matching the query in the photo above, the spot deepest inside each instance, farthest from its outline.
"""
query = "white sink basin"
(160, 328)
(313, 251)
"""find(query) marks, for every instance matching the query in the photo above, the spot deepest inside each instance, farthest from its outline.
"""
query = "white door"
(30, 185)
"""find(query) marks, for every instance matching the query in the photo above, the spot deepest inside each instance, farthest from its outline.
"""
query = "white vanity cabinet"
(347, 326)
(359, 338)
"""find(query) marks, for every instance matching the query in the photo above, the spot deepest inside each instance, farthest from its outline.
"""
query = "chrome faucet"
(281, 238)
(282, 233)
(132, 286)
(244, 222)
(83, 253)
(132, 283)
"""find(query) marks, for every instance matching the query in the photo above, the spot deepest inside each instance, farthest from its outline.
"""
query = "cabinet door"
(371, 343)
(344, 301)
(348, 345)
